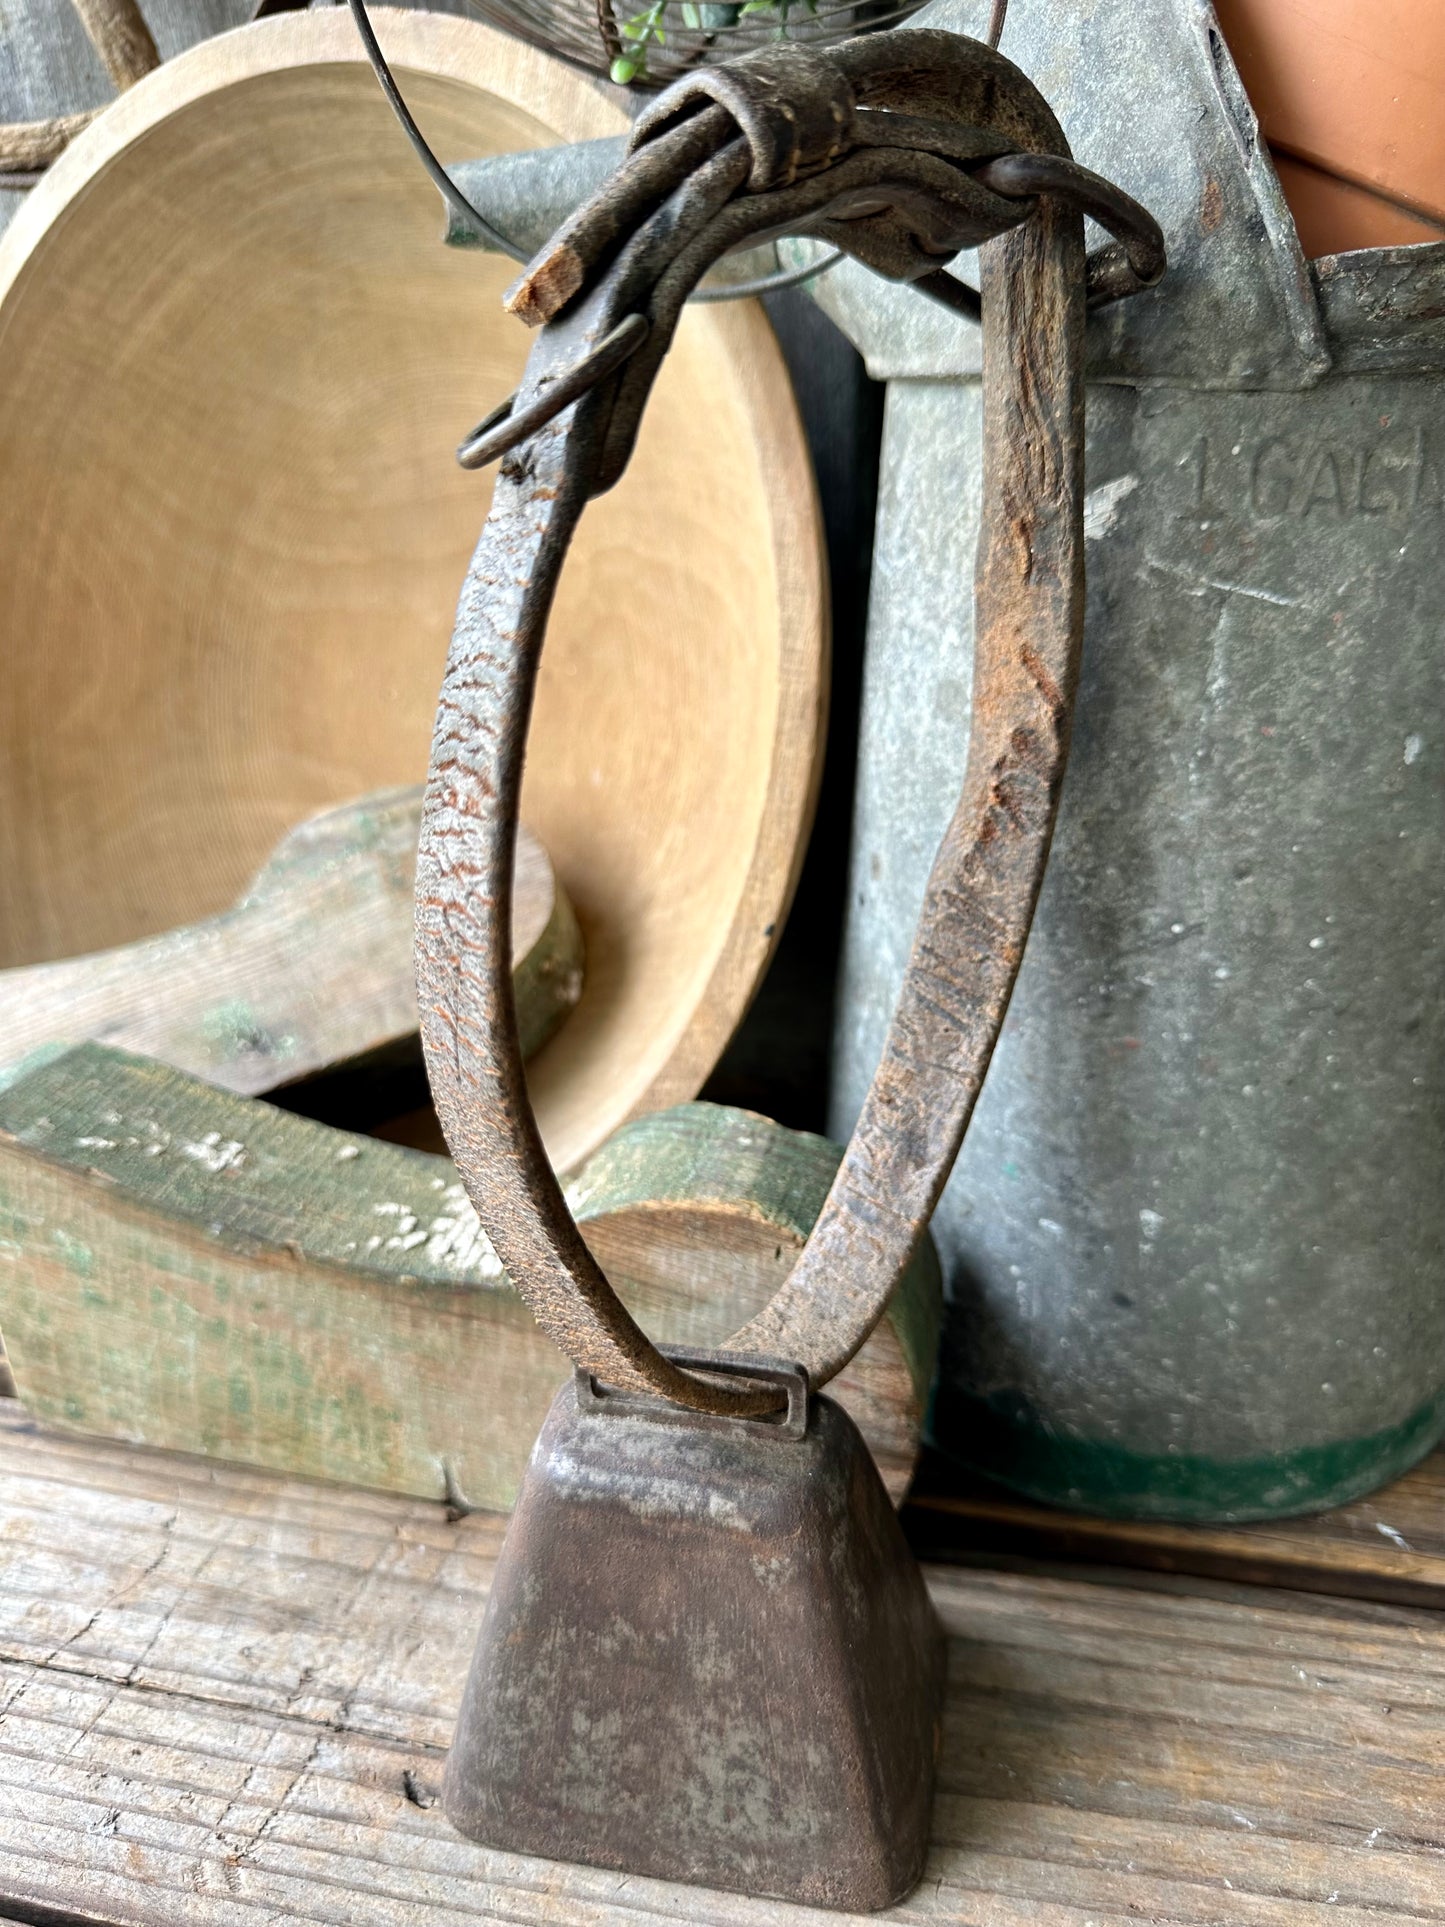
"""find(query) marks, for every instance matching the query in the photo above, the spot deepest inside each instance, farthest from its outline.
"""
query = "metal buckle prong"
(507, 425)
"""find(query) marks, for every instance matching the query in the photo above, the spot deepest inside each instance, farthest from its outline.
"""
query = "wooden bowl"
(237, 361)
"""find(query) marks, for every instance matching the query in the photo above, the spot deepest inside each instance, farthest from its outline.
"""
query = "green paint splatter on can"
(1005, 1441)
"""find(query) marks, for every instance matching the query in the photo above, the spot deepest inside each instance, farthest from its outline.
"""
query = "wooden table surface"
(225, 1698)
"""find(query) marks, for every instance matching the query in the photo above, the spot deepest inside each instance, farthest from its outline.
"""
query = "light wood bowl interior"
(236, 361)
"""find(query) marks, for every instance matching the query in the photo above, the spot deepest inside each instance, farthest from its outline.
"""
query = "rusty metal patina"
(708, 1655)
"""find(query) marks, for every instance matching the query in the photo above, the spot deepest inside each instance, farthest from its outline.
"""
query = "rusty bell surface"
(708, 1655)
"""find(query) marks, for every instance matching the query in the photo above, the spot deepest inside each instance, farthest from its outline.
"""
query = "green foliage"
(700, 16)
(639, 32)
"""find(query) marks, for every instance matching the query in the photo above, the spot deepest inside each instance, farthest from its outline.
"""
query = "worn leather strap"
(874, 146)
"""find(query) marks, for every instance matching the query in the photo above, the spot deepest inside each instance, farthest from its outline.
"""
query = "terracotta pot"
(1352, 100)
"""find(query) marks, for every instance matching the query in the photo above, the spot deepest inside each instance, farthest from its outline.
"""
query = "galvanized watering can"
(1195, 1236)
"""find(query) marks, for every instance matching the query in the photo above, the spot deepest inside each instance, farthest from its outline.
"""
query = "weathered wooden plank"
(311, 967)
(1389, 1546)
(224, 1699)
(183, 1267)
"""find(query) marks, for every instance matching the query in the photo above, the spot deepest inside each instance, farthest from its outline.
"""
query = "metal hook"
(1136, 262)
(1019, 177)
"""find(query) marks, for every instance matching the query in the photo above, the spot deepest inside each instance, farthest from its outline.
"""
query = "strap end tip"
(546, 287)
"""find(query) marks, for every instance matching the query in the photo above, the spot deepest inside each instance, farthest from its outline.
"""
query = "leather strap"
(879, 146)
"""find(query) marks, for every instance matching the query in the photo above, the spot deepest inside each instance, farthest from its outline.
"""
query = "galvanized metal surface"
(708, 1655)
(1194, 1241)
(1148, 97)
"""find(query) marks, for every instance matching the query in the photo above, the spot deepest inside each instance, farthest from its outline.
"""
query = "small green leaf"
(624, 70)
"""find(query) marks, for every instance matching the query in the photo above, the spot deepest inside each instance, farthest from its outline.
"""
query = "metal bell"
(708, 1655)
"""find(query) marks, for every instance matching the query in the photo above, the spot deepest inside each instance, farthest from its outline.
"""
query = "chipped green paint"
(232, 1029)
(32, 1061)
(259, 1286)
(78, 1256)
(697, 1154)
